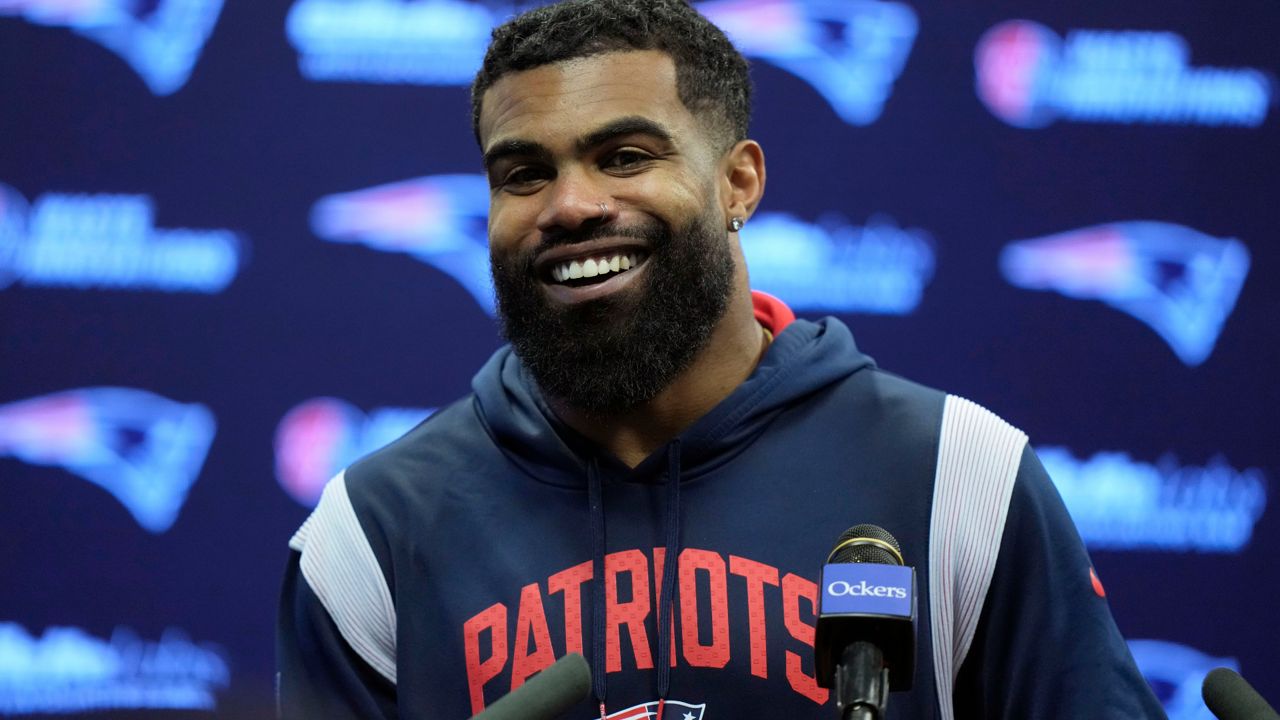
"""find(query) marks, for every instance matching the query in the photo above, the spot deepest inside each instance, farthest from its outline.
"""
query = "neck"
(730, 355)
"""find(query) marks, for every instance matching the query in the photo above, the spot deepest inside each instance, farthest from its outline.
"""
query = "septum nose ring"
(604, 209)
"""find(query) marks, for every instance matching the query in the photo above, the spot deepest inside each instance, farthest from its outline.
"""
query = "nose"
(575, 199)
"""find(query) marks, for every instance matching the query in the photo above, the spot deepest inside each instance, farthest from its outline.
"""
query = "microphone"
(546, 695)
(865, 637)
(1231, 697)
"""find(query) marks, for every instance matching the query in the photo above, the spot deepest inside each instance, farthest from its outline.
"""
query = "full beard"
(612, 354)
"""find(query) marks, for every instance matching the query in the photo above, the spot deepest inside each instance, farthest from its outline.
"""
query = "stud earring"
(736, 224)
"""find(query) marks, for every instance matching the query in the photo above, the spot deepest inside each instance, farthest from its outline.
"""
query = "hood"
(804, 357)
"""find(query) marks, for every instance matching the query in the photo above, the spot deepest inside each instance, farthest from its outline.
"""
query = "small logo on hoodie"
(672, 710)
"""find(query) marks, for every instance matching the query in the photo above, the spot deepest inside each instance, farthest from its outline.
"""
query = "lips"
(589, 270)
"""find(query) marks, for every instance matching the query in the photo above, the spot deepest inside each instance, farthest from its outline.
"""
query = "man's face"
(610, 256)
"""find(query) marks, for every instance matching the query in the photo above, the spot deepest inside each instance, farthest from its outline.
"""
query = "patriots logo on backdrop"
(160, 39)
(1176, 673)
(673, 710)
(441, 220)
(144, 449)
(850, 51)
(319, 437)
(1180, 282)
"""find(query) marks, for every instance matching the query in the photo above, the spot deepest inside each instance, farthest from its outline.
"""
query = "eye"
(627, 159)
(523, 179)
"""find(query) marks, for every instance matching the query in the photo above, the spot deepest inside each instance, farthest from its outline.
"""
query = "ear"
(742, 179)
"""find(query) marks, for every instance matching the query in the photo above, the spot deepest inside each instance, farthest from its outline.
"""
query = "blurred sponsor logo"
(69, 671)
(1028, 77)
(321, 436)
(1176, 673)
(108, 242)
(146, 450)
(1118, 503)
(422, 42)
(1179, 281)
(160, 39)
(835, 266)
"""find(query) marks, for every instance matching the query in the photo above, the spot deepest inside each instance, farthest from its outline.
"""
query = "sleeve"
(1046, 645)
(319, 674)
(336, 637)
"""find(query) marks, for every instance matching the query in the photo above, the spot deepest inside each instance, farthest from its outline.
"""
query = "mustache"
(653, 233)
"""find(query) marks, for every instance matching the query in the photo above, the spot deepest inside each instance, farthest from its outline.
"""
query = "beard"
(615, 353)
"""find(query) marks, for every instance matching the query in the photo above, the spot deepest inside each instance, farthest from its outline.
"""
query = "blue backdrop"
(242, 244)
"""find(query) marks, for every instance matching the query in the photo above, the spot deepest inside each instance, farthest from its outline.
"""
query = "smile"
(591, 270)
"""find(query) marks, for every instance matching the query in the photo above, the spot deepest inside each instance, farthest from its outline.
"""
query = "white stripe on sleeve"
(342, 571)
(978, 459)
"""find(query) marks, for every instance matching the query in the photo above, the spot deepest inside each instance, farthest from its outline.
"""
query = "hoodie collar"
(803, 358)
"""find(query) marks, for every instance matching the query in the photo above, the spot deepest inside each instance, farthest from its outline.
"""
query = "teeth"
(593, 267)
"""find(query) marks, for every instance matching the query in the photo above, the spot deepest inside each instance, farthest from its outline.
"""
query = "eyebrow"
(630, 125)
(522, 148)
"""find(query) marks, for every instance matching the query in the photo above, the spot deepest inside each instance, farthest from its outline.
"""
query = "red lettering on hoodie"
(715, 654)
(531, 624)
(493, 619)
(630, 614)
(570, 583)
(794, 589)
(659, 556)
(757, 575)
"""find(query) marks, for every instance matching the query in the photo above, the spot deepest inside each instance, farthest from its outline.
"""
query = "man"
(654, 470)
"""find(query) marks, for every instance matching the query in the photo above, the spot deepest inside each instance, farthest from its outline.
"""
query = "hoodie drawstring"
(595, 499)
(666, 594)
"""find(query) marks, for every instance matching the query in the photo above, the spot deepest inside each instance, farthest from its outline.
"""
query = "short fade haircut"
(711, 75)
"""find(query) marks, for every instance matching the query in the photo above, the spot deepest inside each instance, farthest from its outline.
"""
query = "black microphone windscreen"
(547, 695)
(1230, 697)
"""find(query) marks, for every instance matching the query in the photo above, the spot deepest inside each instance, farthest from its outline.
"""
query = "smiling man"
(655, 468)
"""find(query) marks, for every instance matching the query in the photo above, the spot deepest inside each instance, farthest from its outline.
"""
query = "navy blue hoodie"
(439, 573)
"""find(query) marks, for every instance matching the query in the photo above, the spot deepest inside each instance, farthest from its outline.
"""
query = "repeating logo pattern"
(1180, 282)
(144, 449)
(67, 670)
(1118, 503)
(161, 39)
(319, 437)
(1028, 77)
(110, 242)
